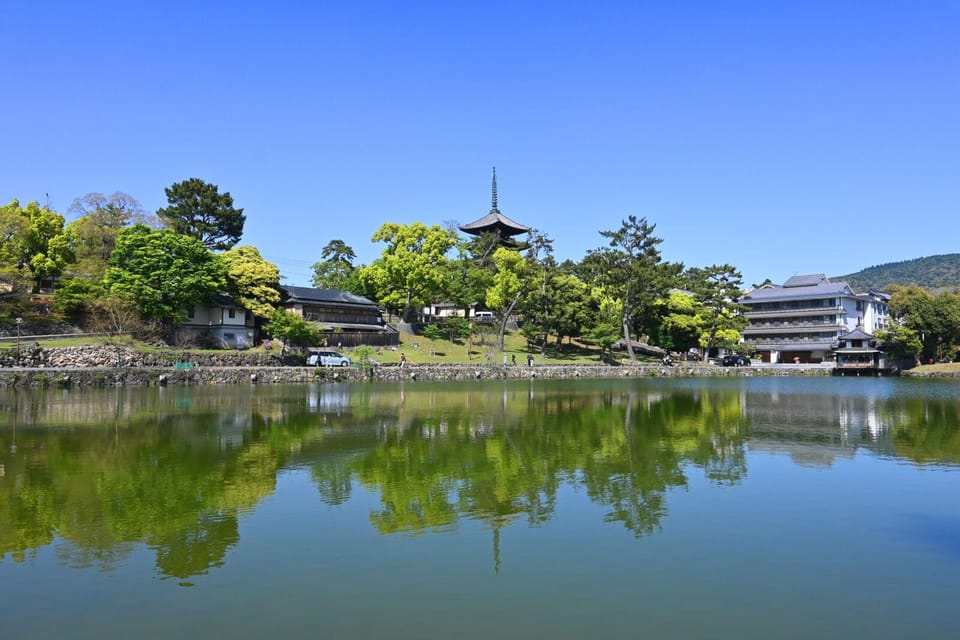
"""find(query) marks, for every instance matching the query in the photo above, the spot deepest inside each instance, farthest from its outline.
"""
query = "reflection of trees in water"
(501, 457)
(176, 471)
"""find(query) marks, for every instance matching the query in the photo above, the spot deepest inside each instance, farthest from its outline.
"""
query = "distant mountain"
(932, 272)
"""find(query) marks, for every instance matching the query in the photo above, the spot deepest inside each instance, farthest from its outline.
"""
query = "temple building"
(496, 222)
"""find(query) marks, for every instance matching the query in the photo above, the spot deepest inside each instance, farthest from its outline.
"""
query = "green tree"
(631, 268)
(468, 277)
(197, 209)
(681, 324)
(935, 319)
(336, 268)
(901, 341)
(717, 291)
(291, 328)
(509, 282)
(13, 237)
(252, 281)
(33, 238)
(163, 272)
(607, 312)
(93, 232)
(411, 270)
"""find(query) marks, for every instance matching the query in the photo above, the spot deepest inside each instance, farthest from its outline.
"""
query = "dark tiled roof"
(493, 220)
(795, 293)
(857, 334)
(325, 296)
(806, 281)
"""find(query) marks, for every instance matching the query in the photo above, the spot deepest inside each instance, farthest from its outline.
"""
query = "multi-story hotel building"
(802, 320)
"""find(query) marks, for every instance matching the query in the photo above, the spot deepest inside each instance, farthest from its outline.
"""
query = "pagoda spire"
(494, 191)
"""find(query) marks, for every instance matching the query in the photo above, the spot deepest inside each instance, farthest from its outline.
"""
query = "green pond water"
(655, 508)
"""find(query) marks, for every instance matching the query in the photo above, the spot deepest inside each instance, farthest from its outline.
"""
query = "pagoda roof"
(495, 221)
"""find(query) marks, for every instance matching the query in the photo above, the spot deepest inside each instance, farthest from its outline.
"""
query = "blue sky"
(784, 138)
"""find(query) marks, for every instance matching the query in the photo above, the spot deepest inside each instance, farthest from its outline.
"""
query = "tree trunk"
(503, 320)
(626, 336)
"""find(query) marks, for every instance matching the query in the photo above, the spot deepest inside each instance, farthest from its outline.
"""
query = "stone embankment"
(118, 366)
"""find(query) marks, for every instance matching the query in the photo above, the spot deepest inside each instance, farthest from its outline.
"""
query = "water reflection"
(100, 474)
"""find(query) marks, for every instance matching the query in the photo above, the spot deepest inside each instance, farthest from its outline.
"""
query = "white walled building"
(803, 319)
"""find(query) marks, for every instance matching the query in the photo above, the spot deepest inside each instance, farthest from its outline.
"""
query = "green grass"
(418, 350)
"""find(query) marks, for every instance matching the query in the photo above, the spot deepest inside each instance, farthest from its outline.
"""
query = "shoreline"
(80, 377)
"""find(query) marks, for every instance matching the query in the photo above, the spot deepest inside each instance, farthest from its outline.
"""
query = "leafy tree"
(631, 268)
(252, 281)
(901, 341)
(607, 313)
(561, 305)
(468, 277)
(682, 324)
(935, 319)
(410, 271)
(33, 238)
(291, 328)
(197, 209)
(508, 285)
(717, 291)
(163, 272)
(93, 232)
(13, 237)
(336, 268)
(72, 296)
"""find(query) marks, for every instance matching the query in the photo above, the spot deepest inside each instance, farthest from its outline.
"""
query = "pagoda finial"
(494, 200)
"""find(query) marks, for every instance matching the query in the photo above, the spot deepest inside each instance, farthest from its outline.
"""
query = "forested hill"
(932, 272)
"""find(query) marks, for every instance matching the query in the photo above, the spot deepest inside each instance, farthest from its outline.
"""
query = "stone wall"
(35, 356)
(170, 374)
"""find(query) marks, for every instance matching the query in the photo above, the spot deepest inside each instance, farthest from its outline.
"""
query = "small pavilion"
(857, 354)
(496, 222)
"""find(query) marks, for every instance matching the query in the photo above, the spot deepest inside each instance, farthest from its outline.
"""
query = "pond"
(665, 508)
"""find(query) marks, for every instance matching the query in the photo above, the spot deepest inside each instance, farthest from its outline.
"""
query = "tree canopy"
(33, 238)
(631, 269)
(163, 271)
(198, 209)
(252, 281)
(410, 271)
(335, 270)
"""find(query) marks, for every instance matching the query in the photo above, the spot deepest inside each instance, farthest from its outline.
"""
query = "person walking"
(529, 359)
(403, 359)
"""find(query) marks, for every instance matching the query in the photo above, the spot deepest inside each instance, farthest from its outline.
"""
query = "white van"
(483, 316)
(327, 359)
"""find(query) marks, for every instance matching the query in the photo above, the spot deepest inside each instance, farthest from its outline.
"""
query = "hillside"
(932, 272)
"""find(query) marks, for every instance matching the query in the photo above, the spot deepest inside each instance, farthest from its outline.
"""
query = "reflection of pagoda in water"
(496, 222)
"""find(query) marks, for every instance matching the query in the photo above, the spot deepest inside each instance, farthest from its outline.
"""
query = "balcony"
(797, 312)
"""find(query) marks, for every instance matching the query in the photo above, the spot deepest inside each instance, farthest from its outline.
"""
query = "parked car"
(485, 317)
(328, 359)
(735, 360)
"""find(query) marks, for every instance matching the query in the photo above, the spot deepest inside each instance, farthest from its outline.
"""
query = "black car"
(735, 360)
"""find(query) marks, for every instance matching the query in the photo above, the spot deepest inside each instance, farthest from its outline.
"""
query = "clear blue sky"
(784, 138)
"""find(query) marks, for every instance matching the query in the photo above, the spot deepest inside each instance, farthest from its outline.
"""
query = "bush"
(431, 332)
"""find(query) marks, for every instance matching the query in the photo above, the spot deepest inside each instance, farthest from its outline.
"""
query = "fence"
(357, 338)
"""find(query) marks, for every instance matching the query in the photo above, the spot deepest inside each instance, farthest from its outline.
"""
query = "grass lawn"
(418, 350)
